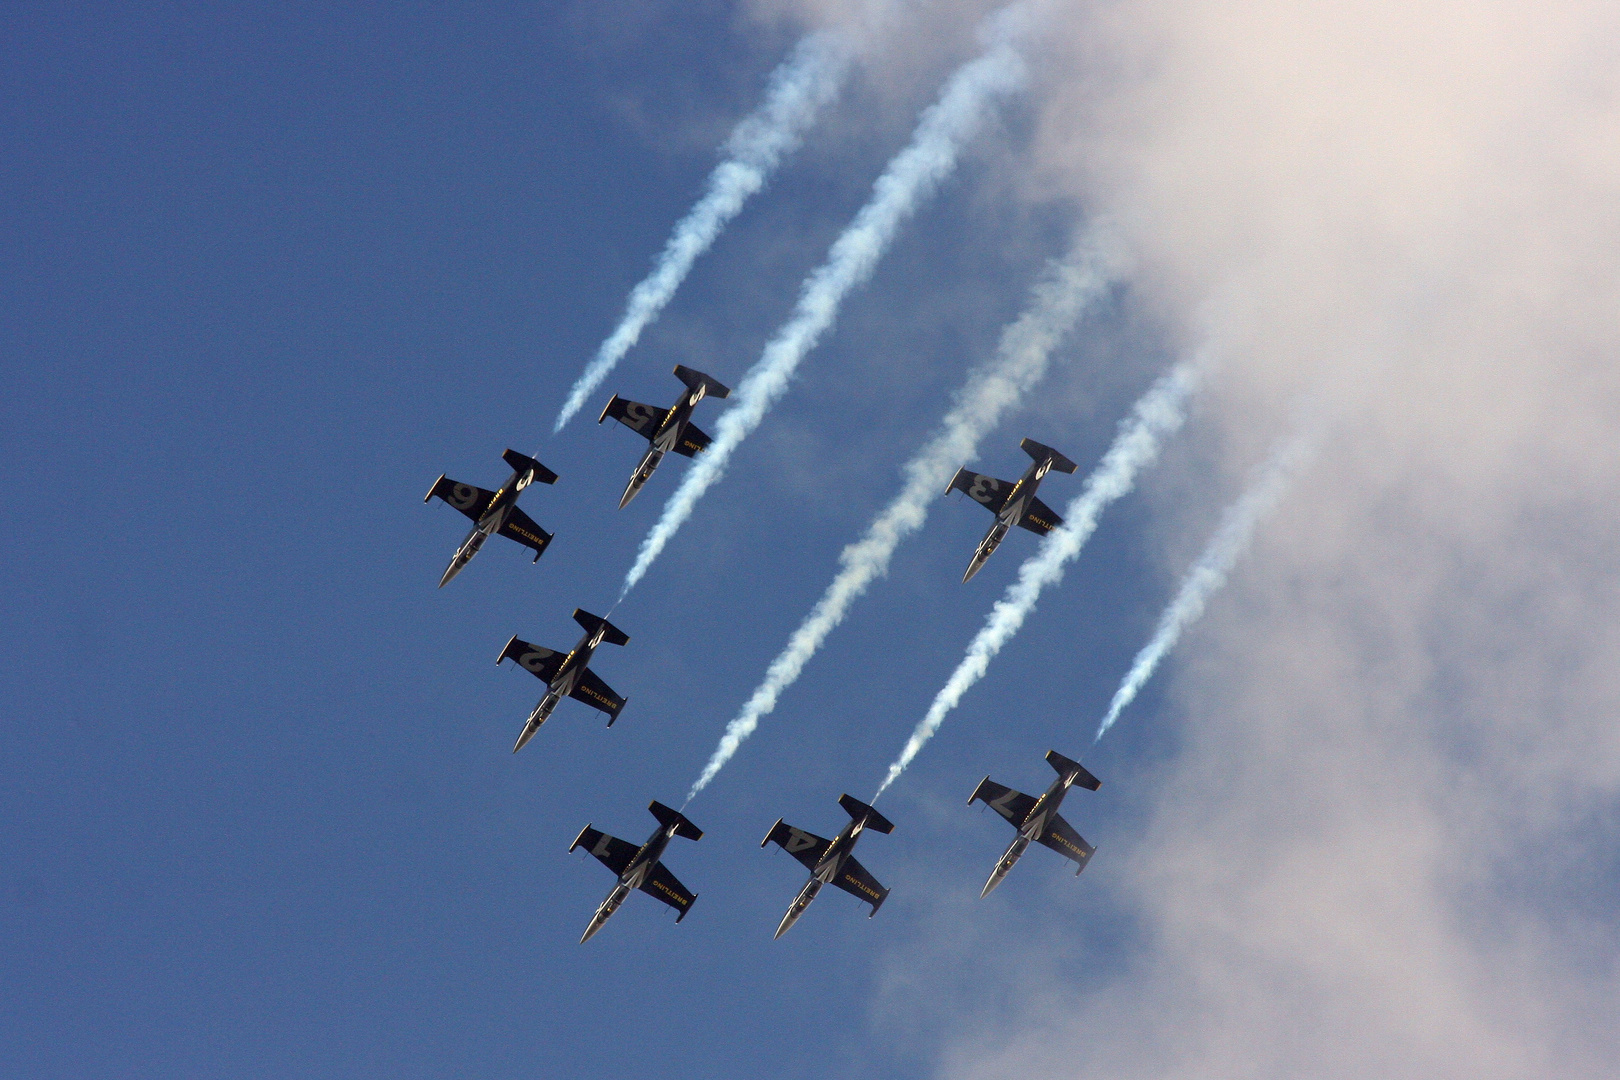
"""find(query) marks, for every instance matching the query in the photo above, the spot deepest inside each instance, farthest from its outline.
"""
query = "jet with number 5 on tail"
(495, 511)
(831, 861)
(666, 429)
(639, 868)
(568, 674)
(1013, 502)
(1037, 819)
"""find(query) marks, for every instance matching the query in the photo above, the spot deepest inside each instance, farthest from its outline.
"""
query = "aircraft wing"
(1061, 838)
(1012, 805)
(610, 851)
(661, 885)
(521, 527)
(598, 695)
(989, 491)
(807, 847)
(1039, 518)
(470, 500)
(540, 662)
(693, 442)
(854, 880)
(639, 418)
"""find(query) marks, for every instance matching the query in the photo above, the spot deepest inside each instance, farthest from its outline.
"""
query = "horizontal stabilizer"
(858, 810)
(598, 695)
(521, 527)
(610, 851)
(987, 490)
(1039, 518)
(1060, 836)
(666, 816)
(807, 847)
(711, 387)
(1063, 765)
(855, 880)
(613, 636)
(523, 462)
(662, 885)
(470, 500)
(1012, 805)
(644, 420)
(1045, 453)
(540, 662)
(693, 441)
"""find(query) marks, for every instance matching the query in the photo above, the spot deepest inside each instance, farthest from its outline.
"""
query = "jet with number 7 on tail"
(568, 674)
(1013, 502)
(666, 429)
(495, 511)
(831, 861)
(639, 868)
(1038, 820)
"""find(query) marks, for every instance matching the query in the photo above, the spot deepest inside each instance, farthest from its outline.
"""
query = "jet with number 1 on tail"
(568, 674)
(494, 511)
(639, 868)
(1013, 502)
(668, 429)
(1037, 819)
(831, 862)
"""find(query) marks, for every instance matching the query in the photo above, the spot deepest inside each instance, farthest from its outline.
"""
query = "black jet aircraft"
(639, 868)
(1013, 503)
(568, 674)
(1038, 820)
(831, 861)
(666, 429)
(495, 511)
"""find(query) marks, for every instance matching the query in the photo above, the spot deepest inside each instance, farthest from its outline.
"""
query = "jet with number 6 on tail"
(1037, 820)
(495, 511)
(568, 674)
(1013, 502)
(639, 868)
(666, 429)
(831, 861)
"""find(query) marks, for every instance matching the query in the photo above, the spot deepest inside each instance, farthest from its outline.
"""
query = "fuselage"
(634, 876)
(664, 439)
(562, 684)
(489, 522)
(826, 871)
(1030, 829)
(1010, 514)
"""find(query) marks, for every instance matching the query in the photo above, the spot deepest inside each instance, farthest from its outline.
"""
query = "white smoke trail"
(912, 174)
(1158, 413)
(1208, 574)
(1060, 297)
(804, 84)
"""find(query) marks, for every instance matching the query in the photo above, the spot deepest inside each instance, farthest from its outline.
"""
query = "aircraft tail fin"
(1039, 451)
(522, 462)
(694, 379)
(1063, 765)
(666, 816)
(857, 810)
(613, 636)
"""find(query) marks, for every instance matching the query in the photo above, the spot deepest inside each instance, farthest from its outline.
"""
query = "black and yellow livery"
(831, 862)
(567, 674)
(668, 430)
(1037, 819)
(1013, 502)
(494, 512)
(639, 868)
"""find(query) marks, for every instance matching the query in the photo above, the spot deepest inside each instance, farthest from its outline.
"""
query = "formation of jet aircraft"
(1013, 502)
(830, 862)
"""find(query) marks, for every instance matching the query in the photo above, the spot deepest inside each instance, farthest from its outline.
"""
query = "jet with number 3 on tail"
(495, 511)
(639, 868)
(831, 862)
(668, 429)
(1037, 819)
(568, 674)
(1013, 502)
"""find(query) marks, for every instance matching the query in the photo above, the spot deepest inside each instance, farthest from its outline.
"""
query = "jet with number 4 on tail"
(1013, 502)
(568, 674)
(668, 429)
(831, 862)
(639, 868)
(495, 511)
(1037, 819)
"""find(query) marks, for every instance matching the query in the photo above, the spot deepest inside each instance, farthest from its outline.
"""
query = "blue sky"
(268, 278)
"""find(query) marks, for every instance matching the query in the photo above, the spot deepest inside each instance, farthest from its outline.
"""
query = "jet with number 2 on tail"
(639, 868)
(1037, 819)
(831, 861)
(666, 429)
(568, 674)
(495, 511)
(1013, 502)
